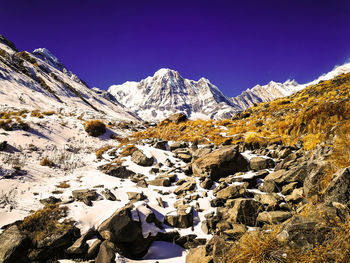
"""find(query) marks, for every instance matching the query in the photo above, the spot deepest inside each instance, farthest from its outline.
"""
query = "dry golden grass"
(45, 222)
(36, 113)
(49, 113)
(128, 150)
(102, 150)
(63, 185)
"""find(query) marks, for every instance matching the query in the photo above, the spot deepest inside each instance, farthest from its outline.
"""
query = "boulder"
(125, 233)
(109, 195)
(296, 196)
(220, 163)
(177, 118)
(106, 253)
(136, 196)
(80, 247)
(160, 182)
(312, 182)
(273, 217)
(182, 218)
(161, 145)
(338, 188)
(186, 186)
(93, 249)
(235, 233)
(260, 163)
(117, 170)
(198, 255)
(243, 211)
(232, 191)
(140, 158)
(85, 195)
(13, 246)
(207, 183)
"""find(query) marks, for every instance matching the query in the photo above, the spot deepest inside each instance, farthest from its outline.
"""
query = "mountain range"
(38, 80)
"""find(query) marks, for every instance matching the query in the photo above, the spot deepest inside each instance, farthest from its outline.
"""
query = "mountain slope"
(155, 98)
(39, 80)
(274, 90)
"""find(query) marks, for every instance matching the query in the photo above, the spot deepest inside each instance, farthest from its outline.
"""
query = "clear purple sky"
(235, 44)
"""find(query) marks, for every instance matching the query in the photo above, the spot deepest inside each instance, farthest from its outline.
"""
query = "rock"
(301, 232)
(106, 253)
(125, 233)
(260, 163)
(283, 153)
(338, 188)
(142, 183)
(50, 200)
(312, 182)
(177, 145)
(187, 186)
(273, 217)
(269, 186)
(85, 195)
(200, 152)
(79, 246)
(93, 249)
(140, 158)
(177, 118)
(147, 215)
(243, 211)
(135, 196)
(207, 183)
(288, 189)
(159, 182)
(59, 239)
(235, 233)
(161, 145)
(295, 174)
(296, 196)
(233, 191)
(220, 163)
(182, 218)
(13, 246)
(109, 195)
(184, 157)
(198, 255)
(116, 170)
(271, 200)
(160, 202)
(218, 248)
(3, 146)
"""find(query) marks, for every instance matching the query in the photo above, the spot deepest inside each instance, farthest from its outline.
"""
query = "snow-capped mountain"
(40, 81)
(274, 90)
(167, 92)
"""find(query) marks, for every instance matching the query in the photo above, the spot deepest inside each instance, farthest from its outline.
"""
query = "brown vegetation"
(95, 128)
(47, 162)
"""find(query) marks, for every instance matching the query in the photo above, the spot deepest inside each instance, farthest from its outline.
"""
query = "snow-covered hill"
(274, 90)
(40, 81)
(167, 92)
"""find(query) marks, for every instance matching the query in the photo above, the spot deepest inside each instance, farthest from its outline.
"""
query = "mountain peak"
(47, 56)
(165, 71)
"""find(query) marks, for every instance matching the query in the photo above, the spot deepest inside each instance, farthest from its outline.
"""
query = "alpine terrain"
(86, 177)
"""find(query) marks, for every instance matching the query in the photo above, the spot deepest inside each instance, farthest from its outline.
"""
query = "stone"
(270, 200)
(220, 163)
(198, 255)
(338, 189)
(177, 118)
(106, 253)
(312, 182)
(269, 186)
(283, 153)
(206, 184)
(186, 186)
(184, 157)
(13, 246)
(182, 218)
(288, 189)
(159, 182)
(109, 195)
(79, 246)
(93, 249)
(301, 232)
(136, 196)
(296, 196)
(116, 170)
(260, 163)
(232, 191)
(243, 211)
(235, 233)
(85, 195)
(147, 215)
(50, 200)
(161, 145)
(177, 145)
(3, 146)
(273, 217)
(125, 233)
(140, 158)
(200, 152)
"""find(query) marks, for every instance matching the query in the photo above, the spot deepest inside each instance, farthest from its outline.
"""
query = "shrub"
(6, 125)
(95, 128)
(47, 162)
(49, 113)
(63, 185)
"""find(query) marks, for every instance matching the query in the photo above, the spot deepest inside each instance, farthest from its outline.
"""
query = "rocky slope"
(167, 92)
(274, 90)
(40, 81)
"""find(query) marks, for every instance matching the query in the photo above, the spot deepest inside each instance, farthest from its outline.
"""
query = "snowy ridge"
(167, 92)
(274, 90)
(40, 81)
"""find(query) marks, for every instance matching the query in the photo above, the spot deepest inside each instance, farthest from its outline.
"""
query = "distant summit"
(167, 92)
